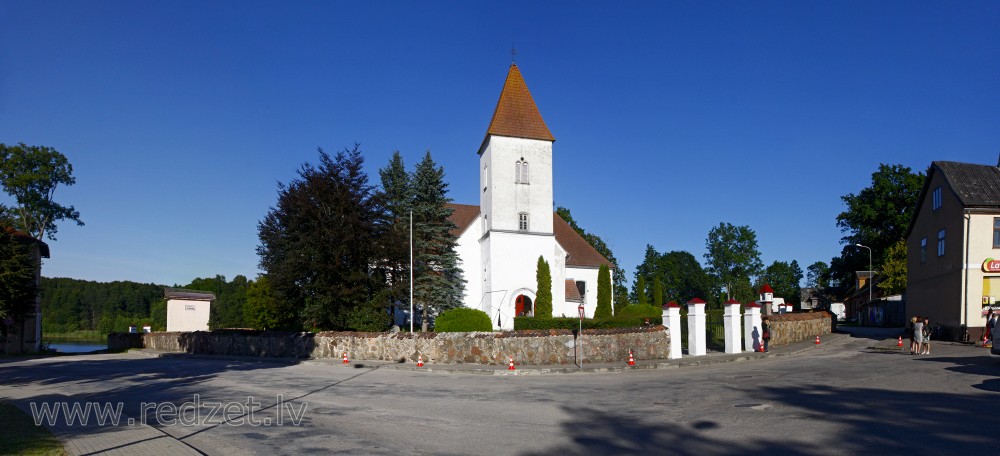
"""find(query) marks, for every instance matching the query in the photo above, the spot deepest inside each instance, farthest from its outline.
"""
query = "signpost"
(583, 313)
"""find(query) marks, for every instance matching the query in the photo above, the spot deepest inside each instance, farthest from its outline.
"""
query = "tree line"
(733, 270)
(70, 305)
(877, 217)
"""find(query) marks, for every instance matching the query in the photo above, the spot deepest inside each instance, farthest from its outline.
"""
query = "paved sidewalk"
(502, 369)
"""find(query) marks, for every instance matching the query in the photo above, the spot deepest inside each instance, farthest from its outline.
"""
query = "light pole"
(583, 313)
(411, 272)
(871, 274)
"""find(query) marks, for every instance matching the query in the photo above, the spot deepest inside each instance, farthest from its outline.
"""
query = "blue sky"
(670, 117)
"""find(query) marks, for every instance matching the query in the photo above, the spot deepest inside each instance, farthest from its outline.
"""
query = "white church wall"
(469, 258)
(518, 253)
(588, 275)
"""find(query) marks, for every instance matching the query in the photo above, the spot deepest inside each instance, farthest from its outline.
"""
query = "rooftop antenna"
(513, 53)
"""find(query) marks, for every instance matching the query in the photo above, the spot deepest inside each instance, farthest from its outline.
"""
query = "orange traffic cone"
(510, 366)
(631, 360)
(420, 360)
(817, 339)
(346, 361)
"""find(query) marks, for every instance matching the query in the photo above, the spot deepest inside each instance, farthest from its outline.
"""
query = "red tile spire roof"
(516, 114)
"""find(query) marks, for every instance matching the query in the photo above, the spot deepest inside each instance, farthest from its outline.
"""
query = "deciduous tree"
(31, 175)
(784, 279)
(894, 269)
(816, 275)
(320, 245)
(877, 217)
(732, 258)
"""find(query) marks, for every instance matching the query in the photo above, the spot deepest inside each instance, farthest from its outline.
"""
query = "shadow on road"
(876, 421)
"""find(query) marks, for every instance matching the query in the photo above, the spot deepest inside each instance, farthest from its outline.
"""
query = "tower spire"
(516, 114)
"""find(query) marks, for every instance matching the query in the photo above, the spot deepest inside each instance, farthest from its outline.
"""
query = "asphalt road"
(856, 395)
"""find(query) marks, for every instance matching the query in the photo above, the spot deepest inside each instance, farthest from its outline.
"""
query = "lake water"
(69, 346)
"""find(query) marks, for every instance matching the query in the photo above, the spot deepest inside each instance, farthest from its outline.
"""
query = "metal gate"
(715, 327)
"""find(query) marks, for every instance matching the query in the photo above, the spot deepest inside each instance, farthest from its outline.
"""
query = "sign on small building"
(188, 310)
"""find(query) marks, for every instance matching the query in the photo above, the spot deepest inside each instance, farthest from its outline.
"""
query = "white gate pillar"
(753, 337)
(696, 327)
(672, 320)
(734, 337)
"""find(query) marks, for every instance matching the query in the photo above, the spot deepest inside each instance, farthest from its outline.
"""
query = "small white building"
(188, 310)
(500, 241)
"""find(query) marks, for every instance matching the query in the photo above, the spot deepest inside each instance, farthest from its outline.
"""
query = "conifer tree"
(438, 282)
(17, 276)
(640, 291)
(543, 299)
(603, 293)
(398, 195)
(657, 293)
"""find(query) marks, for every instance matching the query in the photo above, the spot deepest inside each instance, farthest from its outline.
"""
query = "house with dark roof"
(501, 239)
(25, 333)
(188, 310)
(953, 246)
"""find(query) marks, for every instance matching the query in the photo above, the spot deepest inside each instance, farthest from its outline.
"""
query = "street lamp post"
(871, 274)
(583, 313)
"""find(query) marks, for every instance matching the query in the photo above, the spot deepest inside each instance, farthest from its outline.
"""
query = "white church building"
(500, 240)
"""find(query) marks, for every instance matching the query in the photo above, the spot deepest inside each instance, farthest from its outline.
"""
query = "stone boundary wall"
(530, 347)
(795, 327)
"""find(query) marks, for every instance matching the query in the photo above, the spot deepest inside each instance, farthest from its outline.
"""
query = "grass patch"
(20, 435)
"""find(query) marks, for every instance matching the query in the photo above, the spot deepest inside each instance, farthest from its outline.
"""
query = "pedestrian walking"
(918, 334)
(765, 326)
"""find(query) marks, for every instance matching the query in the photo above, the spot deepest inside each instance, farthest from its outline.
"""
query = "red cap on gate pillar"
(696, 301)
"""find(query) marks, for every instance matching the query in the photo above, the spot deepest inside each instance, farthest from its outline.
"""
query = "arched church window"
(522, 221)
(521, 172)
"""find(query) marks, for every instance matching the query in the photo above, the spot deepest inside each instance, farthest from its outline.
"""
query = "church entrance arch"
(524, 303)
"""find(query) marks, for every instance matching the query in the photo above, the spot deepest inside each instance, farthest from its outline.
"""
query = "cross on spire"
(513, 53)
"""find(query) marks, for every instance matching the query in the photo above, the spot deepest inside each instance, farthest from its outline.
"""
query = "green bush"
(574, 323)
(640, 310)
(462, 319)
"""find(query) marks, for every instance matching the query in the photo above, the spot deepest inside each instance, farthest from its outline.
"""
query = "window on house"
(923, 250)
(941, 243)
(996, 232)
(522, 221)
(521, 172)
(937, 198)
